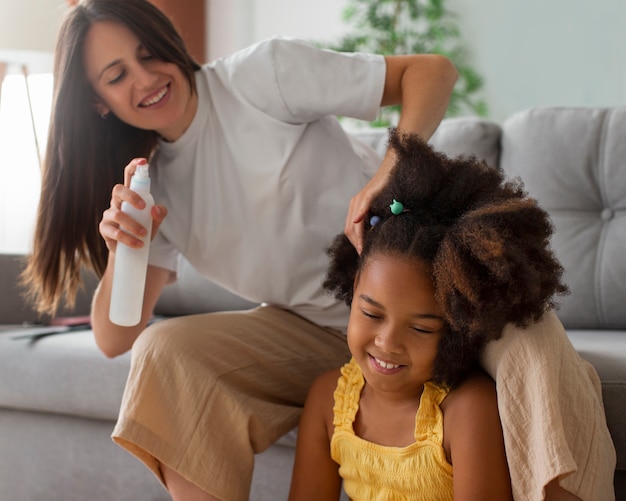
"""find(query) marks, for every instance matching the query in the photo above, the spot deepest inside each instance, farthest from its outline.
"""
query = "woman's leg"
(554, 492)
(550, 404)
(207, 392)
(182, 489)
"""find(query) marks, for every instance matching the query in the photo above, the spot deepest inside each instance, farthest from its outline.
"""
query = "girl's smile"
(384, 367)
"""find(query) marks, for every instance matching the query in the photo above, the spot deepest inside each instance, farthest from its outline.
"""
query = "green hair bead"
(396, 207)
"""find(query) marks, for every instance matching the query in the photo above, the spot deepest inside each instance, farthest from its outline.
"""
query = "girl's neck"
(387, 419)
(390, 399)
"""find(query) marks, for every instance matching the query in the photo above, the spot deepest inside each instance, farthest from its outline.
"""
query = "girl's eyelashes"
(420, 330)
(369, 314)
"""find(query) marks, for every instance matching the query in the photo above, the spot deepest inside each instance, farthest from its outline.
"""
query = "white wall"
(234, 24)
(530, 52)
(30, 24)
(547, 52)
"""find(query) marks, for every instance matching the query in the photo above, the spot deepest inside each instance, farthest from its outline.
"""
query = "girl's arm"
(474, 443)
(422, 84)
(315, 474)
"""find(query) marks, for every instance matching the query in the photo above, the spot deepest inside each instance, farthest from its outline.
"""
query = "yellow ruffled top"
(371, 471)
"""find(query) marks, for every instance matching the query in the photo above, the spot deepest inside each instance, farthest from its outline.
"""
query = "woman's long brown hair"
(86, 154)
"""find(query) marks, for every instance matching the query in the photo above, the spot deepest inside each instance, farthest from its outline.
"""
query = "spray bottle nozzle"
(141, 172)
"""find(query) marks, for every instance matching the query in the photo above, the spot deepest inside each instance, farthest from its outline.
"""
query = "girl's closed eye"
(423, 330)
(369, 314)
(428, 324)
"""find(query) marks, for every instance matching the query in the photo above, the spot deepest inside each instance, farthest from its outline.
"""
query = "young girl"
(451, 254)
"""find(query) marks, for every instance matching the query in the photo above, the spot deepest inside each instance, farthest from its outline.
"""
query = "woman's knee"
(162, 339)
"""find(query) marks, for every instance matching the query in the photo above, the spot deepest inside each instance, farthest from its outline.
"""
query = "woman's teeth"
(156, 98)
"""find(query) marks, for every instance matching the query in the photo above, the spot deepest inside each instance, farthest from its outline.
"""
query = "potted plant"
(391, 27)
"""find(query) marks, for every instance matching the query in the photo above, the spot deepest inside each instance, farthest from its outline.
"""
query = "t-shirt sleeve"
(296, 82)
(163, 254)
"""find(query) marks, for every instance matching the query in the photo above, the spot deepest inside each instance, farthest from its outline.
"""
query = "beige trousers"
(550, 403)
(207, 392)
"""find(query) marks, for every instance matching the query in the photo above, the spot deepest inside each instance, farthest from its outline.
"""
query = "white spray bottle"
(129, 275)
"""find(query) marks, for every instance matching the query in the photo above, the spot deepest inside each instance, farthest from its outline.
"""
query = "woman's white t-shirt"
(260, 183)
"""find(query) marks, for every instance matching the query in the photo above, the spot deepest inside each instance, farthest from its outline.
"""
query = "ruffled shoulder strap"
(347, 395)
(429, 418)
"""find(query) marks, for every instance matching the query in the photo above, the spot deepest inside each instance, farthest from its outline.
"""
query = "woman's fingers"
(130, 169)
(117, 226)
(354, 222)
(159, 212)
(360, 204)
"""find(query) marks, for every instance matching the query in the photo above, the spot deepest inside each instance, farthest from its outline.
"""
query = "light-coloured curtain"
(25, 103)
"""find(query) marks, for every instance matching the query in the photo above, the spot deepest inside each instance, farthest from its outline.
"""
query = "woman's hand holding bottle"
(118, 226)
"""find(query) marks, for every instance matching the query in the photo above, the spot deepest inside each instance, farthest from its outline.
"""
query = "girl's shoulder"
(320, 400)
(320, 397)
(471, 410)
(474, 398)
(473, 440)
(324, 386)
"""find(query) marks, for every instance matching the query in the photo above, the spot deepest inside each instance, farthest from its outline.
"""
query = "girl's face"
(395, 325)
(132, 84)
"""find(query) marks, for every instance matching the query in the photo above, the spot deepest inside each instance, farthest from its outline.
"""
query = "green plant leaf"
(391, 27)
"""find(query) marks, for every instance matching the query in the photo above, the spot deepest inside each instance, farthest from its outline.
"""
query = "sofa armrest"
(14, 309)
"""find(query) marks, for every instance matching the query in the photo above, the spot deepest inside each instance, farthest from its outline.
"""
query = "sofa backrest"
(573, 160)
(469, 136)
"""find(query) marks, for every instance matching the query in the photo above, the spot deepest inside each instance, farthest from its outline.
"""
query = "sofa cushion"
(572, 161)
(454, 136)
(469, 136)
(62, 373)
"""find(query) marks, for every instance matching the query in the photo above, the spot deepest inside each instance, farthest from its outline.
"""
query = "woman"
(252, 177)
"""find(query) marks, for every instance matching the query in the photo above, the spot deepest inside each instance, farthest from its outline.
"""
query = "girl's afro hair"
(486, 240)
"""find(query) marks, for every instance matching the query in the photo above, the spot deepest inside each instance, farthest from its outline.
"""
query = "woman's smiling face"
(129, 82)
(395, 325)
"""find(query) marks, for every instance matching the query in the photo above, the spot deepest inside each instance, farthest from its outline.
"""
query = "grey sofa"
(59, 396)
